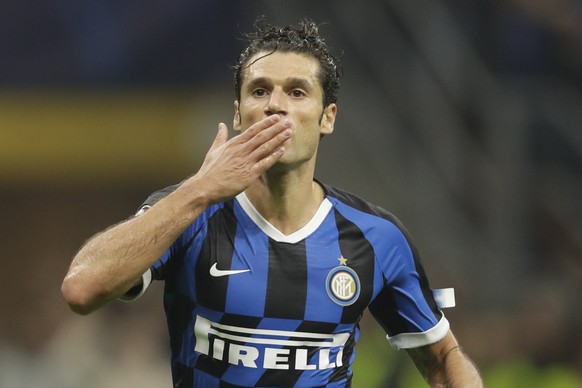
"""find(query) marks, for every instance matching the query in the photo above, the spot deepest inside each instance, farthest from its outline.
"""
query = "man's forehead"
(282, 65)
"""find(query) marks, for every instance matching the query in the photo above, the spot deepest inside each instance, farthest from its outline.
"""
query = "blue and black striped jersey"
(249, 306)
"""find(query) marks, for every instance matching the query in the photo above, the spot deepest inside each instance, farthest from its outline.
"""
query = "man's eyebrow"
(293, 81)
(300, 82)
(258, 81)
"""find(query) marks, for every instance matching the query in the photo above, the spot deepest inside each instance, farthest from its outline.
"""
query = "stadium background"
(464, 118)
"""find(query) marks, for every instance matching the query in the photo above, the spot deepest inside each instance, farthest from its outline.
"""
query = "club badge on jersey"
(342, 284)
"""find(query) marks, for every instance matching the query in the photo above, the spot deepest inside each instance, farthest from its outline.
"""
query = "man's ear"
(236, 119)
(328, 119)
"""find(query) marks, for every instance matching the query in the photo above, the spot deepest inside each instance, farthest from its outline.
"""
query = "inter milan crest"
(342, 284)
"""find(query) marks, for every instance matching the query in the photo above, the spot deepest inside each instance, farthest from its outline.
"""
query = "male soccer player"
(268, 271)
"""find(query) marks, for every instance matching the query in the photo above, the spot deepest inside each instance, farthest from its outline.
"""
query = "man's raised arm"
(113, 261)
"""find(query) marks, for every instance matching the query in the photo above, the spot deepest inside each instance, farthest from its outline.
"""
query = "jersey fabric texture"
(249, 306)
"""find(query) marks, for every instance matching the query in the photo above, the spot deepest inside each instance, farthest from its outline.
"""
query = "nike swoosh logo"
(219, 272)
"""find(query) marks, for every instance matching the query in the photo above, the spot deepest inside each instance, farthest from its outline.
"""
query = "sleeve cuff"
(415, 340)
(138, 290)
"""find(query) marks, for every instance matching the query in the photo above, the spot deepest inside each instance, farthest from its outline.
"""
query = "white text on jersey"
(269, 349)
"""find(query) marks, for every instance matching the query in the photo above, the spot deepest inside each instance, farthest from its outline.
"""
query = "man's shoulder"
(158, 195)
(376, 222)
(361, 210)
(154, 197)
(339, 196)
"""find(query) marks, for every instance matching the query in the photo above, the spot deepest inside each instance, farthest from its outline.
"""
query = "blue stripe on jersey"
(250, 246)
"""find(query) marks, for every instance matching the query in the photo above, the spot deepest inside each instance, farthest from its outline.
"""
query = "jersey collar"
(273, 232)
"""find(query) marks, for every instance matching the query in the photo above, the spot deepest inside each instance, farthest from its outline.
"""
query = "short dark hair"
(302, 38)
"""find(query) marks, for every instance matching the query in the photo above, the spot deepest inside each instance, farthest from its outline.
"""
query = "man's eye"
(297, 93)
(259, 92)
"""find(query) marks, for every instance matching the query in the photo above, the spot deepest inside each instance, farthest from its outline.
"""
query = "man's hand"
(232, 165)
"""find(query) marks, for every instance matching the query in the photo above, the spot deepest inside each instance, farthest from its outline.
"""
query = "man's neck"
(287, 201)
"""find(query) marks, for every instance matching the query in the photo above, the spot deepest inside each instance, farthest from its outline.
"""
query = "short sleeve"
(405, 306)
(139, 289)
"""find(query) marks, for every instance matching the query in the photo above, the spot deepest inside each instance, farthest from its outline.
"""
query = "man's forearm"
(443, 364)
(113, 261)
(458, 371)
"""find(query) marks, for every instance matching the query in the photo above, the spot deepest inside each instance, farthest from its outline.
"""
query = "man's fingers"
(259, 126)
(267, 147)
(267, 162)
(266, 128)
(264, 139)
(231, 165)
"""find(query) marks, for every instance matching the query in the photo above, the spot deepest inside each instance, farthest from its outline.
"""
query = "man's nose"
(277, 103)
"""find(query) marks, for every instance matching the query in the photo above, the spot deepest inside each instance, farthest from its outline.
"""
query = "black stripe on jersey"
(215, 367)
(211, 366)
(183, 376)
(287, 282)
(279, 378)
(384, 309)
(217, 248)
(245, 321)
(360, 257)
(367, 207)
(224, 384)
(179, 308)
